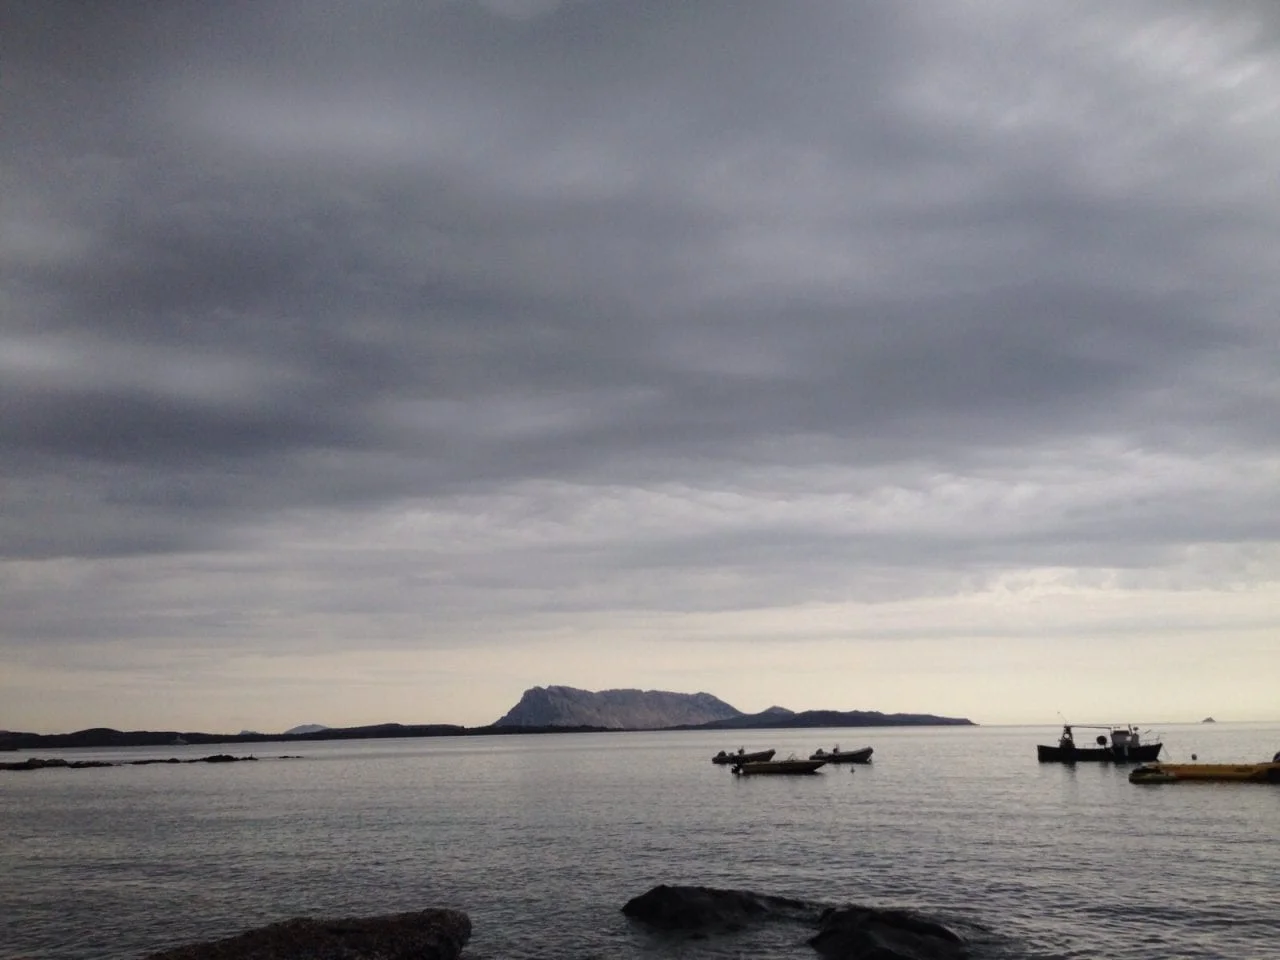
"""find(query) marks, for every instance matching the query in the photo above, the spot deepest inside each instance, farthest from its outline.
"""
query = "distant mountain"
(558, 706)
(305, 728)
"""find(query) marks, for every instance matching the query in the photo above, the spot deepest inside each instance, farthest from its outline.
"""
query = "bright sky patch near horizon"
(375, 362)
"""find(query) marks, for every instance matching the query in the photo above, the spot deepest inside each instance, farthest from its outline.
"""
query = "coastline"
(108, 737)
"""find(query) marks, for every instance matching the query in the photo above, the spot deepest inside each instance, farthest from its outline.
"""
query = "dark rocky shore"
(40, 763)
(835, 933)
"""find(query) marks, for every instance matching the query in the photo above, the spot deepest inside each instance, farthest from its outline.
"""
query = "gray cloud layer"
(1009, 261)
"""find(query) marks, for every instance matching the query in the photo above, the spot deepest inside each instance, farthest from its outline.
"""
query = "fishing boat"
(1208, 772)
(791, 765)
(742, 756)
(861, 755)
(1120, 744)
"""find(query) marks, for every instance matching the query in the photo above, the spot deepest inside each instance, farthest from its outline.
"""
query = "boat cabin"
(1122, 739)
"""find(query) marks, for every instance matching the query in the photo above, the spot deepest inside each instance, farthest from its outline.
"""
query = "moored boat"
(1124, 746)
(1208, 772)
(742, 756)
(861, 755)
(791, 765)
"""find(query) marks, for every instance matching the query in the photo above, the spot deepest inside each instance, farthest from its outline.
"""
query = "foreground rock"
(845, 933)
(419, 935)
(707, 909)
(855, 933)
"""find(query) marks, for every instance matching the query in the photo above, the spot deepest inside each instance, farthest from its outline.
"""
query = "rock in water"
(701, 909)
(860, 933)
(844, 933)
(419, 935)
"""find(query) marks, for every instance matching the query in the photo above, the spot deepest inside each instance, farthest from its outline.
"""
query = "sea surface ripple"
(541, 839)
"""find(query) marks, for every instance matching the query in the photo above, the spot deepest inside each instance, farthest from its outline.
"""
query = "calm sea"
(541, 839)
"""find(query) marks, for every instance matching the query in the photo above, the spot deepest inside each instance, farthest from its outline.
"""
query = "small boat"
(791, 765)
(862, 755)
(1125, 746)
(1209, 772)
(742, 756)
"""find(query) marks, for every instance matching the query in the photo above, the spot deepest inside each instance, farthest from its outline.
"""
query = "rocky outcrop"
(420, 935)
(557, 706)
(707, 909)
(844, 933)
(860, 933)
(40, 763)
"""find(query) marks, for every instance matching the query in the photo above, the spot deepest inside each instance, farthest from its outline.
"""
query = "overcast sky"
(370, 362)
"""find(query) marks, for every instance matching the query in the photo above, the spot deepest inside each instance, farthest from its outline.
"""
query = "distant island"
(661, 710)
(557, 706)
(552, 709)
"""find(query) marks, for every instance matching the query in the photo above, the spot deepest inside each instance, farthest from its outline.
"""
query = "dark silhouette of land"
(540, 710)
(107, 737)
(561, 706)
(830, 718)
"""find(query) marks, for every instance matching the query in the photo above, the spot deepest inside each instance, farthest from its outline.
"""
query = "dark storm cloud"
(272, 255)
